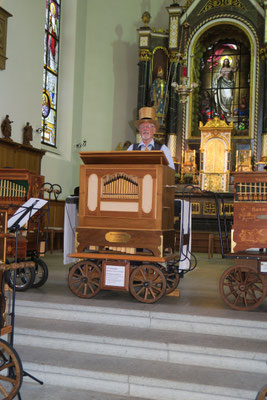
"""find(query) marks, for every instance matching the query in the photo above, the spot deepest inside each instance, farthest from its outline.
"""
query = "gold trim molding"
(263, 52)
(221, 4)
(145, 55)
(216, 123)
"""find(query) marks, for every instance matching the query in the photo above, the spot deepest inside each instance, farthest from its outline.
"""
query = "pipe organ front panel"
(16, 187)
(126, 205)
(120, 194)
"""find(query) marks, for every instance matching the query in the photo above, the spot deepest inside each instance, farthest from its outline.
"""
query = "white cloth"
(150, 146)
(185, 228)
(70, 224)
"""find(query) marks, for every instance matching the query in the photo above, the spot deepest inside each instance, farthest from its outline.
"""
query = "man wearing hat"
(148, 126)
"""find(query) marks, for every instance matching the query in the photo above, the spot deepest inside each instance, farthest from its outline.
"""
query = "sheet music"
(37, 204)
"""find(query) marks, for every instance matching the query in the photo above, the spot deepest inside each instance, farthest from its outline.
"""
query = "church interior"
(122, 278)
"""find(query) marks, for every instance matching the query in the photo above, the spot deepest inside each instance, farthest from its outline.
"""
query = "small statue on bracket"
(6, 128)
(159, 96)
(27, 134)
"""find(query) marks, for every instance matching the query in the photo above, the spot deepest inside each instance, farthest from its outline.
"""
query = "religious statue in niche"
(6, 128)
(159, 96)
(207, 107)
(223, 88)
(27, 134)
(243, 113)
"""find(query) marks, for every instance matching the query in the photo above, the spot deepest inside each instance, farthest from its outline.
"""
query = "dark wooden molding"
(4, 15)
(17, 155)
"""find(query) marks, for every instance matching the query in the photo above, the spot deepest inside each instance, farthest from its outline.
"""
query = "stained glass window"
(50, 73)
(225, 85)
(222, 63)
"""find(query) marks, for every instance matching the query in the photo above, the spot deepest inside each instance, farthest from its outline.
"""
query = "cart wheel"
(147, 283)
(242, 288)
(262, 394)
(41, 273)
(24, 278)
(172, 279)
(84, 279)
(11, 372)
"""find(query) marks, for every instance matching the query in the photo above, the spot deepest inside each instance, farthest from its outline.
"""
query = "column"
(144, 64)
(264, 56)
(175, 12)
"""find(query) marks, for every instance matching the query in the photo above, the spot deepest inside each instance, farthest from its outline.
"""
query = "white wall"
(21, 81)
(110, 87)
(98, 76)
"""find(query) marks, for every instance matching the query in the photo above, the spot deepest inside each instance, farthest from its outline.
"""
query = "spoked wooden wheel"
(11, 372)
(242, 288)
(262, 395)
(172, 279)
(147, 283)
(84, 279)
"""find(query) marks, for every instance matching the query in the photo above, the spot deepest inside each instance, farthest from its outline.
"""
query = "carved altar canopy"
(215, 155)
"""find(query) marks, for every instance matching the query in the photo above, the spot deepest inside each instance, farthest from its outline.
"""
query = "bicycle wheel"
(41, 273)
(11, 371)
(24, 278)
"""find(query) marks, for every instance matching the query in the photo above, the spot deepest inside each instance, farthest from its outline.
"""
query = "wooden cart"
(16, 187)
(244, 285)
(125, 234)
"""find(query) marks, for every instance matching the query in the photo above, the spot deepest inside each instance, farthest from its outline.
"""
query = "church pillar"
(144, 65)
(175, 12)
(143, 78)
(264, 56)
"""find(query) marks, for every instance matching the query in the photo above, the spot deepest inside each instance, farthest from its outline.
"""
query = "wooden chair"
(56, 224)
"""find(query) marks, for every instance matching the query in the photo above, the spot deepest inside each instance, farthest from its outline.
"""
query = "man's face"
(147, 131)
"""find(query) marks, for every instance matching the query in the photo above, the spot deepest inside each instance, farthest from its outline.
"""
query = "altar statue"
(27, 134)
(159, 96)
(223, 88)
(6, 128)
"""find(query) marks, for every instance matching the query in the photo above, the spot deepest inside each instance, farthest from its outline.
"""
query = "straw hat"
(147, 114)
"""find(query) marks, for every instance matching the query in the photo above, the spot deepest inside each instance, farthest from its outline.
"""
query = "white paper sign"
(263, 266)
(115, 275)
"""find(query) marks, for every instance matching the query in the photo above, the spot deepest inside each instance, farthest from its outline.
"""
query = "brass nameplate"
(117, 237)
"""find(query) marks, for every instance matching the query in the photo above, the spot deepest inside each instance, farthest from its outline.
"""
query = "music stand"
(14, 224)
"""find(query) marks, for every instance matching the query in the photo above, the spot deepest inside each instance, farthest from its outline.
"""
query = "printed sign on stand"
(115, 275)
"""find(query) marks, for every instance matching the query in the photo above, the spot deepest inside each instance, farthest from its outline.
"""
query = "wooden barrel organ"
(126, 202)
(243, 286)
(125, 235)
(16, 187)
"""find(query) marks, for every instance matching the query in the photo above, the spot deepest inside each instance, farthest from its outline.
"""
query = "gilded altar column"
(175, 12)
(264, 56)
(144, 64)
